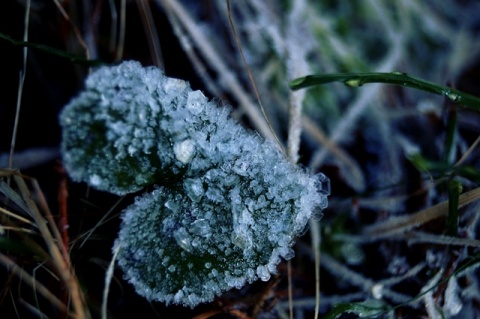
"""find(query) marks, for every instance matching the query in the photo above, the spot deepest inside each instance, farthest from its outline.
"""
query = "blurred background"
(394, 155)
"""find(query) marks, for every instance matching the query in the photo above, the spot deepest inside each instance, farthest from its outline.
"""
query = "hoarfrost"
(453, 303)
(263, 273)
(193, 188)
(184, 151)
(183, 239)
(95, 180)
(227, 205)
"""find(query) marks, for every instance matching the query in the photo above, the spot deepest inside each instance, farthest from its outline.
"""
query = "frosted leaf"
(238, 244)
(112, 131)
(241, 233)
(241, 167)
(214, 194)
(227, 205)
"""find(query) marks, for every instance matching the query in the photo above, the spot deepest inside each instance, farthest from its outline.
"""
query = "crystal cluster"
(226, 206)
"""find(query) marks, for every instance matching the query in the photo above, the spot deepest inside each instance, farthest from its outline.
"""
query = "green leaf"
(369, 308)
(396, 78)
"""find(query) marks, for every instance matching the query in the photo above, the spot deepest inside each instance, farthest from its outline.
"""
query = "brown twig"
(63, 209)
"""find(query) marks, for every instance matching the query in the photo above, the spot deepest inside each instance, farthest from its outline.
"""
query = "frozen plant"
(124, 131)
(226, 206)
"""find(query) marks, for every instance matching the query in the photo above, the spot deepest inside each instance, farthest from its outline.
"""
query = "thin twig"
(250, 76)
(151, 33)
(63, 210)
(99, 223)
(20, 86)
(468, 152)
(76, 31)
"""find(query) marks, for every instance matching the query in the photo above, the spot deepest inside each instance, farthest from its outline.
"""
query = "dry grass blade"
(316, 242)
(12, 195)
(60, 261)
(76, 31)
(16, 216)
(403, 223)
(421, 237)
(29, 280)
(108, 280)
(6, 172)
(468, 152)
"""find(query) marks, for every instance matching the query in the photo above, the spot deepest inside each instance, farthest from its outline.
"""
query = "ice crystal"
(113, 132)
(227, 205)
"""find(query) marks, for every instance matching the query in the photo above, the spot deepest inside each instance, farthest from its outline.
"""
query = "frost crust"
(233, 204)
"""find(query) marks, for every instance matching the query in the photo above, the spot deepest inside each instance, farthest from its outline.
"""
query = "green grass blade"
(395, 78)
(454, 190)
(467, 171)
(72, 57)
(430, 167)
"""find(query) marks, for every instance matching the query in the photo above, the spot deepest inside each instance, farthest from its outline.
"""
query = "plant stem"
(395, 78)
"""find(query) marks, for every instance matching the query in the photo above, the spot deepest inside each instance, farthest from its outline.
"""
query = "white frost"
(184, 151)
(225, 219)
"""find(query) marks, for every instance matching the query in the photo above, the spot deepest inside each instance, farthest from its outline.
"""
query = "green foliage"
(396, 78)
(366, 309)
